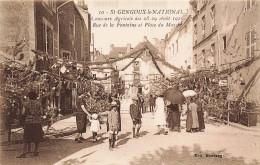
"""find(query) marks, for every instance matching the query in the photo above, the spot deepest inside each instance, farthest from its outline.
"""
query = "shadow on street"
(173, 155)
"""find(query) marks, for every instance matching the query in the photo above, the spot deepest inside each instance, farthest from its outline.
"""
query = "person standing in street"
(140, 102)
(151, 103)
(95, 126)
(146, 103)
(160, 115)
(33, 132)
(193, 107)
(136, 116)
(118, 107)
(113, 125)
(81, 116)
(173, 118)
(189, 116)
(200, 115)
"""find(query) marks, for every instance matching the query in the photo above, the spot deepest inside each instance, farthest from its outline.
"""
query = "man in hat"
(136, 116)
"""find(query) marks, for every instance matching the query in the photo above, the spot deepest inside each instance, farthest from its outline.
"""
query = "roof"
(101, 58)
(116, 50)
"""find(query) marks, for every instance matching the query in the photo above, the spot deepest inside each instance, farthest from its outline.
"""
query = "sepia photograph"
(130, 82)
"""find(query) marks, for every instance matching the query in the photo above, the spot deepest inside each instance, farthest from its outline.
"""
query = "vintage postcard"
(129, 82)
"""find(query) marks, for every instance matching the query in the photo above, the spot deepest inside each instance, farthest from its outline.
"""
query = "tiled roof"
(101, 58)
(116, 50)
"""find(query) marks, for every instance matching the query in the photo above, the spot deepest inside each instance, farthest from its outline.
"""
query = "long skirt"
(33, 133)
(174, 119)
(201, 120)
(81, 120)
(189, 122)
(195, 120)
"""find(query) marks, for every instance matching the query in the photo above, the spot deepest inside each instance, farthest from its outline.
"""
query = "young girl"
(95, 126)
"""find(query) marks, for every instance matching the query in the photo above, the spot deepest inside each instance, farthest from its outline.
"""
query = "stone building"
(178, 50)
(226, 38)
(56, 28)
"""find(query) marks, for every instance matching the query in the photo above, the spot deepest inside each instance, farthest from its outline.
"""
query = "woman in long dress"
(159, 115)
(200, 115)
(173, 118)
(193, 107)
(33, 132)
(189, 117)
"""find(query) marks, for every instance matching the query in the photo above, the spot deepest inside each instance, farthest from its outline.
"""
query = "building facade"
(179, 49)
(55, 28)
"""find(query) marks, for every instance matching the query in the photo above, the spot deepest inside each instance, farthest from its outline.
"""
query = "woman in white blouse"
(160, 116)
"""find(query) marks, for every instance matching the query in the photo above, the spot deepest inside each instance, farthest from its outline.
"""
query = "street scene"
(129, 82)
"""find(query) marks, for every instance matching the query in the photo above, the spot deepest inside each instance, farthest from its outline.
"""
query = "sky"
(121, 36)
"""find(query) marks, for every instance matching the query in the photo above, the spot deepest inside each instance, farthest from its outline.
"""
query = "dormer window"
(120, 54)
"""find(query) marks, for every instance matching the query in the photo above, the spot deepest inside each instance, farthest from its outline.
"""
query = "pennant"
(63, 69)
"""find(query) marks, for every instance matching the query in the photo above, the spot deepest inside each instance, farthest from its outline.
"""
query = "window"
(247, 4)
(250, 37)
(203, 26)
(195, 29)
(47, 37)
(203, 57)
(213, 52)
(224, 43)
(250, 3)
(195, 59)
(212, 14)
(94, 76)
(195, 34)
(65, 54)
(136, 66)
(212, 49)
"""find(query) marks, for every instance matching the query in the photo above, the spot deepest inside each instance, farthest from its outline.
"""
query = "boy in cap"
(113, 124)
(136, 116)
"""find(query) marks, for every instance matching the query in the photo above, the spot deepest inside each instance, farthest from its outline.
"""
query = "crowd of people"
(166, 115)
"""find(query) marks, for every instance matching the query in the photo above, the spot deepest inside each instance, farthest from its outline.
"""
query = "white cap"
(94, 116)
(113, 103)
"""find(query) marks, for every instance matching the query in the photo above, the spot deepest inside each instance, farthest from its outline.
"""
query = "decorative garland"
(137, 56)
(156, 65)
(239, 67)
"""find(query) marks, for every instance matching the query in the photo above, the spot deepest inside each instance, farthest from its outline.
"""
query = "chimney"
(111, 47)
(145, 39)
(128, 48)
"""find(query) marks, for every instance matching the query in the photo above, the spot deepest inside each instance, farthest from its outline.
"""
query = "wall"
(17, 24)
(204, 42)
(183, 57)
(45, 12)
(71, 31)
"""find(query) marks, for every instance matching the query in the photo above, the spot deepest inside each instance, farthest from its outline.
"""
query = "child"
(95, 126)
(113, 125)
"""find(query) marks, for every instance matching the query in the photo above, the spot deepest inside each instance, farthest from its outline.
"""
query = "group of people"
(195, 115)
(166, 115)
(113, 120)
(146, 103)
